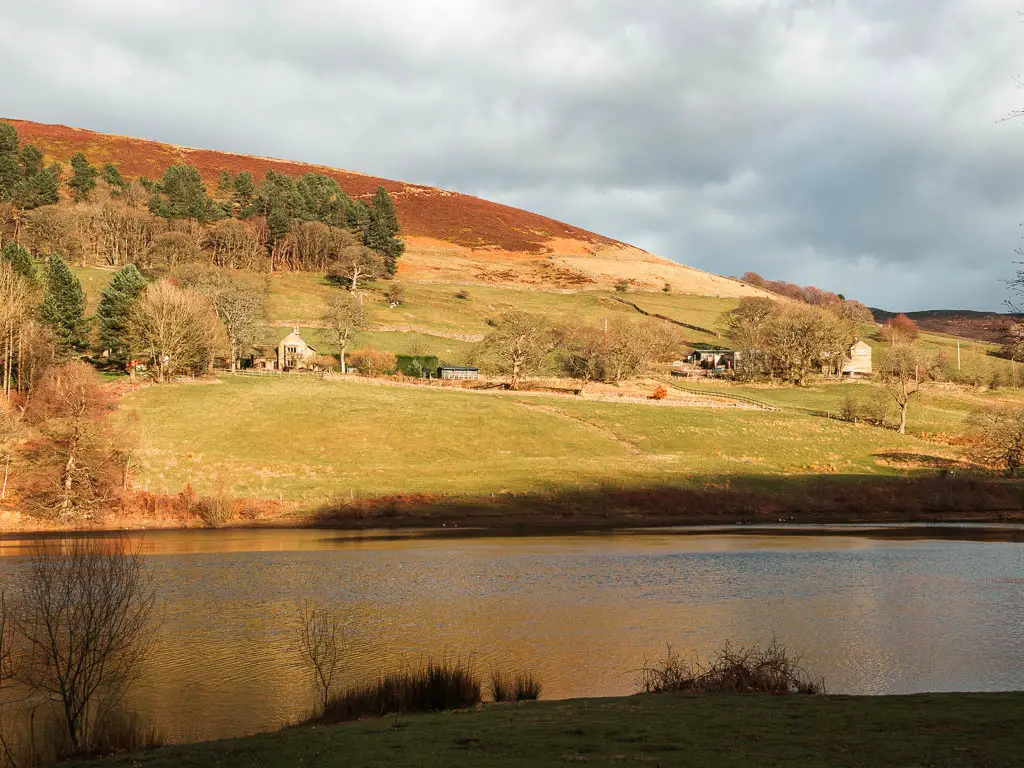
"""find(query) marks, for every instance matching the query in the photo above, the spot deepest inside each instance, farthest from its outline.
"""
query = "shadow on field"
(944, 497)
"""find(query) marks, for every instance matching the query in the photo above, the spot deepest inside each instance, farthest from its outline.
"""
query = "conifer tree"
(19, 258)
(64, 304)
(245, 195)
(114, 310)
(114, 178)
(382, 230)
(181, 194)
(84, 179)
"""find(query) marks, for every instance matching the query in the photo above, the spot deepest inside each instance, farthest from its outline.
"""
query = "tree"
(382, 231)
(114, 179)
(181, 194)
(173, 248)
(394, 294)
(245, 195)
(20, 260)
(175, 329)
(78, 464)
(24, 180)
(624, 348)
(83, 180)
(85, 618)
(357, 262)
(345, 317)
(901, 373)
(1001, 438)
(321, 645)
(373, 362)
(518, 346)
(16, 298)
(899, 330)
(240, 305)
(64, 304)
(235, 244)
(114, 311)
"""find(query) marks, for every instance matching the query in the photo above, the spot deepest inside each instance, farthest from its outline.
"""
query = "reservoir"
(872, 611)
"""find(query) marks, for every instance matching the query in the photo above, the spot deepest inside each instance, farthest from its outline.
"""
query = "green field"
(309, 440)
(937, 730)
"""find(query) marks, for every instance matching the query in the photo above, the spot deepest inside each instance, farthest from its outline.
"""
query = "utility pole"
(958, 354)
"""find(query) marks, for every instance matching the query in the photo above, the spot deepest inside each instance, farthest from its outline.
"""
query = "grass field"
(310, 440)
(937, 730)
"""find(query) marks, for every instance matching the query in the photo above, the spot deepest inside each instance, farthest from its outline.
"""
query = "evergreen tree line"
(278, 223)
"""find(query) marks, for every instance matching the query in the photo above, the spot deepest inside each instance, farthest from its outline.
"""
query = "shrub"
(215, 510)
(744, 669)
(394, 295)
(851, 407)
(462, 294)
(373, 362)
(436, 686)
(416, 365)
(521, 686)
(622, 286)
(660, 393)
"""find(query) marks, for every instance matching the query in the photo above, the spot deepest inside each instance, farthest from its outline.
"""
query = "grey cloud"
(854, 145)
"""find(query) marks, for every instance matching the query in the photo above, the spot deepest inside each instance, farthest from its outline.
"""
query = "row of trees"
(789, 342)
(307, 224)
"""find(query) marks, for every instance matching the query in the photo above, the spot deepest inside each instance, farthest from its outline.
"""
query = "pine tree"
(245, 195)
(382, 231)
(181, 194)
(114, 178)
(84, 179)
(64, 304)
(20, 259)
(115, 306)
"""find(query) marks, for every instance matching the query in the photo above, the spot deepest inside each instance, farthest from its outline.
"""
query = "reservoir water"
(880, 612)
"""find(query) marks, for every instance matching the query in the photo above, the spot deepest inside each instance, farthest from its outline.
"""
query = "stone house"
(293, 353)
(858, 360)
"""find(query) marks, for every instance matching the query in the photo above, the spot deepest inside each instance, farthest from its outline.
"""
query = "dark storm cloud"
(854, 145)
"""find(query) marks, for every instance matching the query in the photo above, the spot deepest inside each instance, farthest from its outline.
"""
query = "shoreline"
(938, 729)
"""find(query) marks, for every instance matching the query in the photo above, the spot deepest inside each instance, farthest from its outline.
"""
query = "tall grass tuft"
(742, 669)
(520, 686)
(433, 687)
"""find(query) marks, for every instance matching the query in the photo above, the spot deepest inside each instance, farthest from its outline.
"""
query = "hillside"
(450, 237)
(983, 326)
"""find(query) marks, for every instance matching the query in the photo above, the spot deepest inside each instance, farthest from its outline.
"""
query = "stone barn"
(858, 360)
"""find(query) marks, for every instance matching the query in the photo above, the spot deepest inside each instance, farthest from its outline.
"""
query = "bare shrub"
(216, 510)
(851, 407)
(462, 294)
(742, 669)
(85, 619)
(1000, 443)
(518, 686)
(321, 645)
(373, 362)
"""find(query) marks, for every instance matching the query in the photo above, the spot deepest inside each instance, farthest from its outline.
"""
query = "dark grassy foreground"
(665, 730)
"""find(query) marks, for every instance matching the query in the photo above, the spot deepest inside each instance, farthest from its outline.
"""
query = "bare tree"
(8, 671)
(173, 248)
(623, 348)
(236, 244)
(78, 463)
(355, 263)
(345, 317)
(518, 346)
(15, 305)
(10, 435)
(85, 617)
(1001, 438)
(321, 645)
(901, 373)
(176, 329)
(239, 301)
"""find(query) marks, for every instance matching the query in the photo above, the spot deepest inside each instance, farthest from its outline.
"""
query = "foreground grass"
(925, 730)
(310, 440)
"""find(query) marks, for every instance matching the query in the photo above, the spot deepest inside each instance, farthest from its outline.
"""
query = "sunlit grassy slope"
(310, 440)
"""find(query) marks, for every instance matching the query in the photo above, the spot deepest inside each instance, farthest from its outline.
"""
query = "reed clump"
(517, 686)
(733, 669)
(435, 686)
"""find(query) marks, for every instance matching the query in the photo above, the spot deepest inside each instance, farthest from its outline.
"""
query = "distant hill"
(450, 237)
(983, 326)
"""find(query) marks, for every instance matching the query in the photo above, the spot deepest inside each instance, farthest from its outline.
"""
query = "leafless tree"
(173, 248)
(56, 229)
(1001, 438)
(176, 329)
(518, 346)
(15, 310)
(321, 646)
(355, 263)
(621, 349)
(236, 244)
(10, 435)
(127, 234)
(8, 671)
(345, 317)
(901, 372)
(77, 466)
(85, 617)
(239, 300)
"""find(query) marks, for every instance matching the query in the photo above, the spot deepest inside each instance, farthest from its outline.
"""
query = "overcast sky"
(856, 145)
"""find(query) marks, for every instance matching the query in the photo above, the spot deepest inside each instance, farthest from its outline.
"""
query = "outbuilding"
(458, 372)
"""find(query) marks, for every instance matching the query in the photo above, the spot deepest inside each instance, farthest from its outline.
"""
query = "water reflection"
(872, 615)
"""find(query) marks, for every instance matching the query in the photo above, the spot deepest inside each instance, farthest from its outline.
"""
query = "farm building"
(858, 360)
(292, 354)
(461, 372)
(711, 359)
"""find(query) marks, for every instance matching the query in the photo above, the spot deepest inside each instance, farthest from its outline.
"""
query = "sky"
(859, 146)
